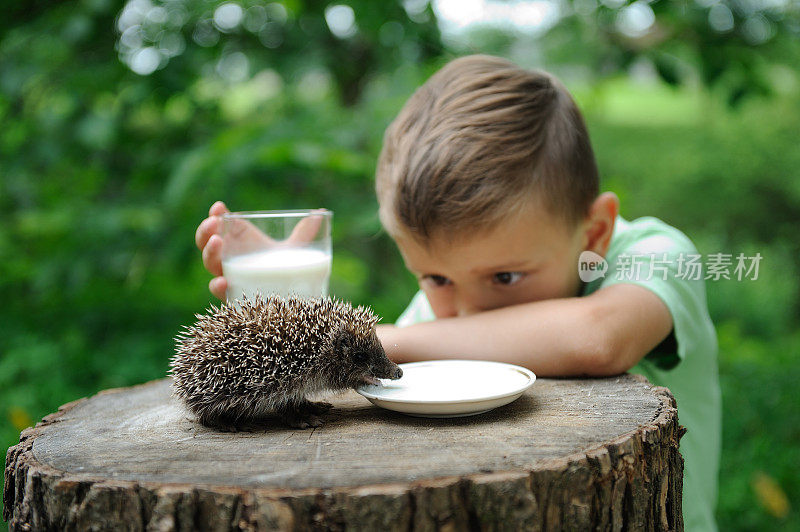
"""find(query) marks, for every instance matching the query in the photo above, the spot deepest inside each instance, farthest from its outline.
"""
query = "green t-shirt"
(650, 253)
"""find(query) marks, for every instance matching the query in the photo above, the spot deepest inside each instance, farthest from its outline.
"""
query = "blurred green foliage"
(105, 174)
(727, 45)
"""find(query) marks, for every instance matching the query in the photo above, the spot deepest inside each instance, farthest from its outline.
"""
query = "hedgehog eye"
(360, 358)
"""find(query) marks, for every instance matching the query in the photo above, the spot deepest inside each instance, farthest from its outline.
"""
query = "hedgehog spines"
(244, 358)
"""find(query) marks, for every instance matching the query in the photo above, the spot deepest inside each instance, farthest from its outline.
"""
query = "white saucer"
(450, 388)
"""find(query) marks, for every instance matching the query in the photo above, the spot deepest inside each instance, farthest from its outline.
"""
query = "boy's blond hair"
(476, 143)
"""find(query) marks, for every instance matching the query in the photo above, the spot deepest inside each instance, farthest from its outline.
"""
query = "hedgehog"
(246, 360)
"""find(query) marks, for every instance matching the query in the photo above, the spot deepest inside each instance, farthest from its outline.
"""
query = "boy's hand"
(209, 241)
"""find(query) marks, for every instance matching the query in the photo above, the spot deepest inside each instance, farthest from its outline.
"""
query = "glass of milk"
(277, 252)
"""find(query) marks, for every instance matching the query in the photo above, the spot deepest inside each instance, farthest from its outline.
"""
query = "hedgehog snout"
(389, 370)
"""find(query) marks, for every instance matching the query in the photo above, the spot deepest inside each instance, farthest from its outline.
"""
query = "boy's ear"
(599, 224)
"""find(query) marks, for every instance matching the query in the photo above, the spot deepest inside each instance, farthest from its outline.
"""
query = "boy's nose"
(467, 309)
(465, 312)
(469, 303)
(456, 303)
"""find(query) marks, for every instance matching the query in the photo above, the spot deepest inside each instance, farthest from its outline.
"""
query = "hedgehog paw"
(300, 419)
(316, 407)
(223, 424)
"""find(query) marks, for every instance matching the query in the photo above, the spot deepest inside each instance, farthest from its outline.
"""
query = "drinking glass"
(277, 252)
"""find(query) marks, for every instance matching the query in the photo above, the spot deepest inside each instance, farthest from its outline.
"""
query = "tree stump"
(573, 454)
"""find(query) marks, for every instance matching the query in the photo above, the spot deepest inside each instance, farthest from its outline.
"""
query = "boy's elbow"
(602, 360)
(605, 355)
(612, 360)
(621, 325)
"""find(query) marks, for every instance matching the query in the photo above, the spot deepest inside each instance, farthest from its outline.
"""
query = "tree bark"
(576, 454)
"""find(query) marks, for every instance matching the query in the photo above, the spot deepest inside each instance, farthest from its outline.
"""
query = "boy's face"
(530, 257)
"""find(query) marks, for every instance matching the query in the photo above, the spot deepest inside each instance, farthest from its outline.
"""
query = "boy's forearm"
(557, 337)
(548, 337)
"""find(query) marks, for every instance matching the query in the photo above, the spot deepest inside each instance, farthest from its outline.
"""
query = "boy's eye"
(507, 278)
(439, 280)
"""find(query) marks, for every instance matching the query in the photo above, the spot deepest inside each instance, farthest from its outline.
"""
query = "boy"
(488, 184)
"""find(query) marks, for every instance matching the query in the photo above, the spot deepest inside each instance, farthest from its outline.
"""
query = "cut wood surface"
(574, 454)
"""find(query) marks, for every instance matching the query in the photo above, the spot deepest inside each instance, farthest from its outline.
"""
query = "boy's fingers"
(217, 209)
(247, 234)
(212, 255)
(211, 225)
(208, 239)
(218, 286)
(208, 227)
(306, 229)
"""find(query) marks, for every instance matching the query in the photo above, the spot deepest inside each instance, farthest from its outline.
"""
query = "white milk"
(299, 271)
(451, 380)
